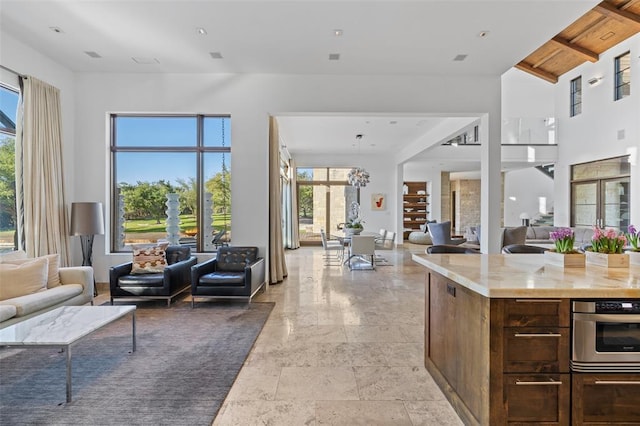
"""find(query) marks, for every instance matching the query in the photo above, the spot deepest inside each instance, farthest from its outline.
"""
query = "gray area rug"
(185, 363)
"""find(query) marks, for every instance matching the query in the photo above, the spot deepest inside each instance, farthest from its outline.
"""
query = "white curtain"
(277, 263)
(294, 236)
(42, 215)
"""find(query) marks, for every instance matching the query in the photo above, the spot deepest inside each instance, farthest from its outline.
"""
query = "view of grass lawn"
(187, 222)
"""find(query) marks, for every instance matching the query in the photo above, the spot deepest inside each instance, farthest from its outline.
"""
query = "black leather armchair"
(522, 248)
(236, 272)
(449, 248)
(175, 279)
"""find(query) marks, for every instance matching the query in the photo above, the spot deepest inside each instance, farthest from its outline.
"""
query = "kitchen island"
(498, 340)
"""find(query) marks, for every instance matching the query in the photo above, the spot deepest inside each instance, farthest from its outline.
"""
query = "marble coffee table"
(62, 327)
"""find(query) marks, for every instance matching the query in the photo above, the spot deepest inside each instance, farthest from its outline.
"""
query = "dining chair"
(333, 250)
(363, 248)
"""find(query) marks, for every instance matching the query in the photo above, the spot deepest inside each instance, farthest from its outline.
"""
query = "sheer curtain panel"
(277, 263)
(42, 213)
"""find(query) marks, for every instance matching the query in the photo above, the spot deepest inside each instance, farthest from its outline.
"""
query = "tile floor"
(341, 348)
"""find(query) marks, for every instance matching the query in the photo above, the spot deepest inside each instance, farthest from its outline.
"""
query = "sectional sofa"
(29, 287)
(540, 234)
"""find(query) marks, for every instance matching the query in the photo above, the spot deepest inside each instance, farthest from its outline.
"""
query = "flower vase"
(634, 257)
(608, 260)
(351, 231)
(564, 260)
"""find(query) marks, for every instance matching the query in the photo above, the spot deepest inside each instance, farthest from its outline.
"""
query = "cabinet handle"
(538, 300)
(537, 335)
(545, 383)
(617, 382)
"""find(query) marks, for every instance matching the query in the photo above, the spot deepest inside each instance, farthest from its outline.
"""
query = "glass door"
(600, 193)
(615, 203)
(585, 204)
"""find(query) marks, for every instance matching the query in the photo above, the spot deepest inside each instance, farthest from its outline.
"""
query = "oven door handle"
(610, 318)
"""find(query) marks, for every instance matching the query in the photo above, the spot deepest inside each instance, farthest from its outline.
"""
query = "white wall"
(593, 135)
(522, 192)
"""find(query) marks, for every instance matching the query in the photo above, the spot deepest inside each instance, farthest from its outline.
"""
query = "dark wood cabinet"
(537, 398)
(599, 399)
(506, 362)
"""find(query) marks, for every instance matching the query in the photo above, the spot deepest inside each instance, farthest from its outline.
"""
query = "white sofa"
(27, 288)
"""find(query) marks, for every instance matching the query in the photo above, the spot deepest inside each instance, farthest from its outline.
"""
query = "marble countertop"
(527, 275)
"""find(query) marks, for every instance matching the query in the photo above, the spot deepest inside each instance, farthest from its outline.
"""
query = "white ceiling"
(380, 37)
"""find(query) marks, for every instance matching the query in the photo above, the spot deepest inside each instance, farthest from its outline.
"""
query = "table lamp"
(525, 218)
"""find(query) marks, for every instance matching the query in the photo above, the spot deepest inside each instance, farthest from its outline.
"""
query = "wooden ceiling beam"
(546, 58)
(586, 54)
(551, 78)
(613, 12)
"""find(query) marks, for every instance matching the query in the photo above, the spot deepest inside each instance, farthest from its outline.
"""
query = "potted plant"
(606, 248)
(353, 225)
(564, 254)
(633, 250)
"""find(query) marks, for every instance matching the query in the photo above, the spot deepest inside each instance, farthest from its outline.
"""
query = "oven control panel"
(617, 307)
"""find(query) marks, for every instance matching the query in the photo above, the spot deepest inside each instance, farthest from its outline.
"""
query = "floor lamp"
(86, 221)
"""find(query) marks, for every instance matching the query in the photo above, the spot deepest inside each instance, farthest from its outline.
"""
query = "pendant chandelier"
(358, 176)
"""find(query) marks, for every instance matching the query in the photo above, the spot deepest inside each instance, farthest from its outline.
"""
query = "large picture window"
(8, 220)
(156, 156)
(622, 76)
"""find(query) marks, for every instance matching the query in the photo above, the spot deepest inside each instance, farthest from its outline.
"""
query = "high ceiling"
(601, 28)
(378, 37)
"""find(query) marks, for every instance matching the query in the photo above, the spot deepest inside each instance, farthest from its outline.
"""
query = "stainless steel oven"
(606, 336)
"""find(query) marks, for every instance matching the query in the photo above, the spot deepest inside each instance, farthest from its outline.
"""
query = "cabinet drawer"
(536, 350)
(536, 313)
(537, 398)
(606, 399)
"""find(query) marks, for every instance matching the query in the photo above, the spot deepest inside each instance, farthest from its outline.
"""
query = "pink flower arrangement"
(563, 238)
(607, 241)
(633, 236)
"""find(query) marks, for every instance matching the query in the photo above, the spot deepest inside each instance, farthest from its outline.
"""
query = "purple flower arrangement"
(563, 238)
(607, 241)
(633, 236)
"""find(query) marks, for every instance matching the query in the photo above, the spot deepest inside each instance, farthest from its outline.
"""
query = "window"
(324, 198)
(576, 96)
(153, 156)
(622, 76)
(8, 111)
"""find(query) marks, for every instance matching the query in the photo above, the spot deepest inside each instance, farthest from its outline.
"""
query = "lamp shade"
(86, 219)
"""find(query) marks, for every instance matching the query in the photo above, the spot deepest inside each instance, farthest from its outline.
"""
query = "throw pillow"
(149, 259)
(13, 255)
(26, 278)
(53, 274)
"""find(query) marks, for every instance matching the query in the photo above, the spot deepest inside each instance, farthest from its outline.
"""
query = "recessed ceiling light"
(334, 56)
(201, 31)
(483, 33)
(145, 61)
(338, 33)
(460, 58)
(56, 30)
(393, 122)
(92, 54)
(216, 55)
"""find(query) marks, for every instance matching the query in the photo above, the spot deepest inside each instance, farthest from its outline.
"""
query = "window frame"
(11, 133)
(200, 149)
(575, 96)
(619, 74)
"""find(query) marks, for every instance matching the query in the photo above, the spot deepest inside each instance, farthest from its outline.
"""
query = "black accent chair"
(235, 273)
(448, 248)
(175, 279)
(522, 248)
